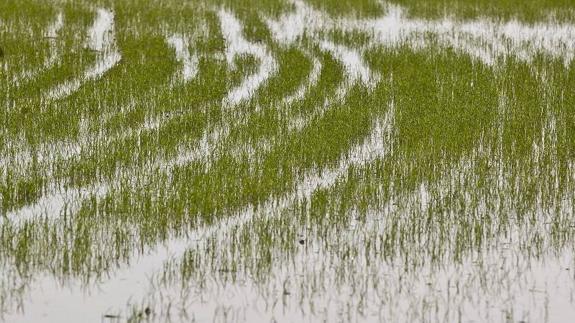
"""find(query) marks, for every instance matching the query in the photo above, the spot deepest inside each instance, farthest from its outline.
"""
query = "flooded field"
(287, 161)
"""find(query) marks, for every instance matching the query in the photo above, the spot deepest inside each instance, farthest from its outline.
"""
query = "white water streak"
(101, 38)
(55, 27)
(354, 66)
(64, 150)
(312, 80)
(484, 39)
(54, 205)
(51, 34)
(57, 200)
(237, 45)
(356, 72)
(208, 144)
(189, 61)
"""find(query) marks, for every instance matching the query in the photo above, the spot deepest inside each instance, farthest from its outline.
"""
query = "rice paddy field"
(287, 161)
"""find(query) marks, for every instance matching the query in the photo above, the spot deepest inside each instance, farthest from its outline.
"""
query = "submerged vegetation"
(287, 160)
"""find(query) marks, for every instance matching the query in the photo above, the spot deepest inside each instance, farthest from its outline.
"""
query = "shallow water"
(348, 197)
(100, 39)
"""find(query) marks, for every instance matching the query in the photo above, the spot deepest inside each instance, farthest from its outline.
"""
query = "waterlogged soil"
(243, 161)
